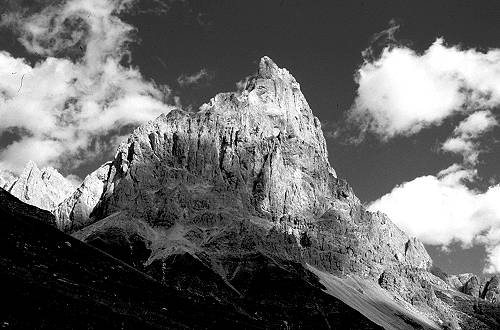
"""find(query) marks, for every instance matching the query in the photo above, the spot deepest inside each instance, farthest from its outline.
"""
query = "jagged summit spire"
(31, 166)
(43, 188)
(267, 67)
(261, 144)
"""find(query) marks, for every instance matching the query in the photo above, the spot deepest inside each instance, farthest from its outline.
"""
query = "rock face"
(44, 188)
(217, 201)
(475, 286)
(458, 281)
(74, 212)
(472, 287)
(7, 179)
(259, 155)
(492, 290)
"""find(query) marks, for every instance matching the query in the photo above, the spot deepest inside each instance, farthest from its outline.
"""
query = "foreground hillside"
(53, 281)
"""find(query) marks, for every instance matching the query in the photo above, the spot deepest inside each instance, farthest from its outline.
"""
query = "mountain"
(54, 281)
(238, 203)
(479, 287)
(44, 188)
(7, 179)
(74, 211)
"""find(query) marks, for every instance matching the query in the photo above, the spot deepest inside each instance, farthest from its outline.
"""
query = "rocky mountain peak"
(269, 70)
(264, 145)
(7, 179)
(259, 155)
(44, 188)
(274, 92)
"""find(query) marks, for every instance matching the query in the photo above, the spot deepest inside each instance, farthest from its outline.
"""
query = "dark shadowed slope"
(53, 281)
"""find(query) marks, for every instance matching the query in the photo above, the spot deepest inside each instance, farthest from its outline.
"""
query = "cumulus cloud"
(79, 92)
(400, 92)
(202, 76)
(403, 91)
(442, 209)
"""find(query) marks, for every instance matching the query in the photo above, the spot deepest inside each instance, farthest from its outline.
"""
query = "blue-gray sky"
(192, 50)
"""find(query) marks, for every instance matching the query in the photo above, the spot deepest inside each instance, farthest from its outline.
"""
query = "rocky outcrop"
(75, 211)
(44, 188)
(49, 190)
(457, 281)
(475, 286)
(472, 287)
(7, 179)
(492, 290)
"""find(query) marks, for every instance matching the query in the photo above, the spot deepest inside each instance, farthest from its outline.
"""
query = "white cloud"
(193, 79)
(476, 124)
(403, 91)
(493, 265)
(79, 93)
(466, 134)
(460, 146)
(441, 209)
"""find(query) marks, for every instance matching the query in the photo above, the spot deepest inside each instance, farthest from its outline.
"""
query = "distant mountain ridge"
(45, 188)
(244, 188)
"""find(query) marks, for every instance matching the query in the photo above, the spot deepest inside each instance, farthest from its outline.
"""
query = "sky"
(407, 91)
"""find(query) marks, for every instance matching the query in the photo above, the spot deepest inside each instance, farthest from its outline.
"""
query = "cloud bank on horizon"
(52, 106)
(402, 92)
